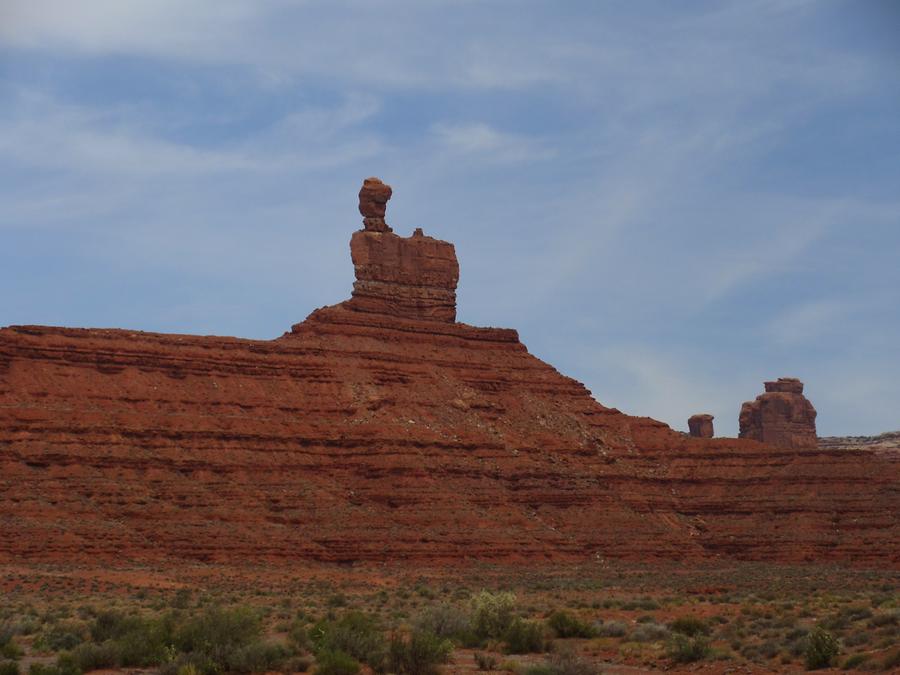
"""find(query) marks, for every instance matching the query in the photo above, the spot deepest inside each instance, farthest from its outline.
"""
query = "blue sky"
(672, 202)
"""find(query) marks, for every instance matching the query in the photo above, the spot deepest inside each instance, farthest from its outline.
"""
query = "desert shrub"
(684, 649)
(130, 639)
(646, 604)
(524, 637)
(420, 654)
(879, 620)
(297, 636)
(298, 664)
(65, 665)
(11, 650)
(355, 634)
(226, 639)
(564, 625)
(821, 649)
(650, 632)
(335, 663)
(854, 661)
(257, 657)
(60, 637)
(569, 663)
(689, 625)
(117, 639)
(768, 649)
(446, 621)
(91, 656)
(485, 661)
(891, 661)
(492, 614)
(541, 669)
(612, 629)
(9, 668)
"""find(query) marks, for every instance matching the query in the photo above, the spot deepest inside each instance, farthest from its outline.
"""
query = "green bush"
(355, 634)
(821, 649)
(650, 632)
(689, 625)
(65, 665)
(564, 663)
(892, 661)
(11, 650)
(418, 655)
(60, 637)
(612, 629)
(855, 661)
(91, 656)
(219, 634)
(683, 649)
(446, 621)
(257, 657)
(564, 625)
(540, 669)
(298, 638)
(492, 614)
(485, 661)
(9, 668)
(335, 663)
(524, 637)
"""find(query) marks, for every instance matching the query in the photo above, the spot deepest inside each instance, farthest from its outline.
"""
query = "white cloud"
(807, 323)
(489, 144)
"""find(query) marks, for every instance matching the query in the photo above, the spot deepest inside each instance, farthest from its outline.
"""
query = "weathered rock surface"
(701, 426)
(371, 432)
(373, 199)
(782, 416)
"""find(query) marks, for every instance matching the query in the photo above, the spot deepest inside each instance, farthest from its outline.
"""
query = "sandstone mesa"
(380, 429)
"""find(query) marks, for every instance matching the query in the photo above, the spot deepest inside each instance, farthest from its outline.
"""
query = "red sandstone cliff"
(380, 429)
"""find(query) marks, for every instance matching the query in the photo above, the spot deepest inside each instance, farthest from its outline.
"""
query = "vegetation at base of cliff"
(556, 625)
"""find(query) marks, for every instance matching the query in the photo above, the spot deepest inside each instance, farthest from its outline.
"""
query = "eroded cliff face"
(381, 430)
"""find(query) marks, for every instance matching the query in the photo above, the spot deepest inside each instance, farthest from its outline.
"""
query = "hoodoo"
(782, 416)
(411, 277)
(380, 429)
(701, 426)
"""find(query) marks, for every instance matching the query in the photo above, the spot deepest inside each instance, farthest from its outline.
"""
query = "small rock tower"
(782, 416)
(701, 426)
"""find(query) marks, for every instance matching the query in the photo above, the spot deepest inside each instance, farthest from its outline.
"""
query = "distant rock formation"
(888, 442)
(701, 426)
(381, 431)
(782, 416)
(413, 278)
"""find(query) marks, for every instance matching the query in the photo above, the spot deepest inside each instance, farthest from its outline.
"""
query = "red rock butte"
(380, 429)
(782, 416)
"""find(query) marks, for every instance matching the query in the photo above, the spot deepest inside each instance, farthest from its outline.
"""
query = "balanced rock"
(411, 277)
(701, 426)
(373, 198)
(782, 416)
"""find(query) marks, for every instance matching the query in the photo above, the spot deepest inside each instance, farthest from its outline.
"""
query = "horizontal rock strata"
(381, 430)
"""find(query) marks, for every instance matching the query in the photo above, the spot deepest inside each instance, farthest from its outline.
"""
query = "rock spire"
(410, 277)
(701, 426)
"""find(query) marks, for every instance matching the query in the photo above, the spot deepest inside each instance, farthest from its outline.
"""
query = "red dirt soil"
(381, 430)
